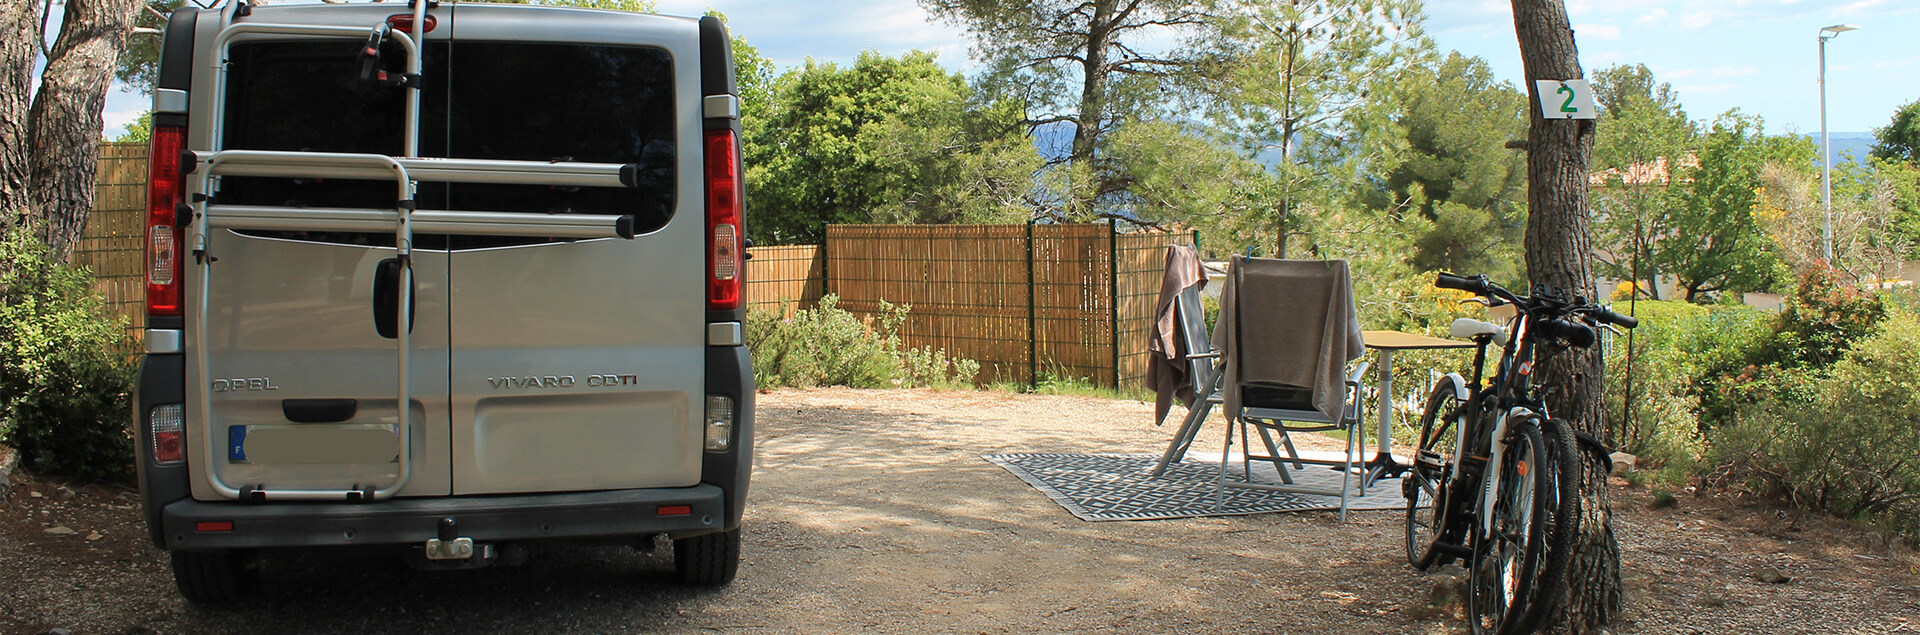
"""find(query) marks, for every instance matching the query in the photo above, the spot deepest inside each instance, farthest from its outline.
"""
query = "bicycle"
(1499, 477)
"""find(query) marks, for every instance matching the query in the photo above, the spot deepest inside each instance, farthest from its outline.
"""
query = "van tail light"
(168, 432)
(723, 220)
(165, 193)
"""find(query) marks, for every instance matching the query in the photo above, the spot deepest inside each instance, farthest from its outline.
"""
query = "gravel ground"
(872, 510)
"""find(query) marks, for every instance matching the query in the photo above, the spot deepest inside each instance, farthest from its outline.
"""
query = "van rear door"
(577, 365)
(301, 359)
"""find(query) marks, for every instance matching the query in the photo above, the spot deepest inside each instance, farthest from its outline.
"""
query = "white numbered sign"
(1566, 99)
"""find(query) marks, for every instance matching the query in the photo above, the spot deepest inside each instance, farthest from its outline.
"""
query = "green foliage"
(1457, 171)
(1035, 52)
(1711, 241)
(828, 346)
(139, 131)
(886, 140)
(1787, 360)
(1657, 398)
(1849, 448)
(1643, 141)
(65, 375)
(1185, 174)
(1304, 85)
(1900, 139)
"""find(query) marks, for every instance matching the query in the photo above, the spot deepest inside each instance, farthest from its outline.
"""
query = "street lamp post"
(1826, 145)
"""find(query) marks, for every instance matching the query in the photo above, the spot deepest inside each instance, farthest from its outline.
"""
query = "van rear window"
(529, 101)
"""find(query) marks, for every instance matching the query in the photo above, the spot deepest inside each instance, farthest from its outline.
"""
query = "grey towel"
(1288, 322)
(1168, 373)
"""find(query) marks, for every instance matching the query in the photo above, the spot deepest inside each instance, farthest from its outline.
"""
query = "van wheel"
(213, 577)
(708, 560)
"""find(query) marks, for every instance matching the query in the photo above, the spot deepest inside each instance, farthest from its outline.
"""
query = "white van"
(523, 223)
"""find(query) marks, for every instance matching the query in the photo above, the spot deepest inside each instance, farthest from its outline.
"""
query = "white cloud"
(1697, 19)
(1654, 17)
(1732, 71)
(114, 122)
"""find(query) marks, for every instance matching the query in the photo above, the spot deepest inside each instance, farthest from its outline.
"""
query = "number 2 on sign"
(1566, 106)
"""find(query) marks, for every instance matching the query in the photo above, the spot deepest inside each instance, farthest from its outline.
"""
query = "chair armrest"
(1359, 373)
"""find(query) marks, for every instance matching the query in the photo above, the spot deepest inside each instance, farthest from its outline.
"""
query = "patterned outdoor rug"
(1101, 487)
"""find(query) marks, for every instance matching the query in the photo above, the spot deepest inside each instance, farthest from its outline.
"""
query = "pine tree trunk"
(64, 138)
(20, 38)
(1559, 254)
(1093, 99)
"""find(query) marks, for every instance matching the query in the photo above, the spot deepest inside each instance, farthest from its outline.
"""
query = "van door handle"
(386, 292)
(319, 410)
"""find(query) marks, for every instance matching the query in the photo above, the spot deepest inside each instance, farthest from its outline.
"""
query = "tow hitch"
(453, 551)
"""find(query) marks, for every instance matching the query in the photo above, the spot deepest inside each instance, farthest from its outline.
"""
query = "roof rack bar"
(349, 166)
(317, 219)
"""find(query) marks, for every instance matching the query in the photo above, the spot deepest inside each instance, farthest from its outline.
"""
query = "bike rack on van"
(204, 168)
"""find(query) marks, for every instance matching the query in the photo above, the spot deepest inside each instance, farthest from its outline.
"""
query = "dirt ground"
(872, 510)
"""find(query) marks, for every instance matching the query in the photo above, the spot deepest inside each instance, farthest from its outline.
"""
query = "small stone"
(62, 631)
(1624, 463)
(39, 495)
(95, 536)
(1448, 591)
(61, 530)
(1771, 576)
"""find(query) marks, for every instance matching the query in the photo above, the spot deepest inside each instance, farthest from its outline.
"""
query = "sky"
(1761, 56)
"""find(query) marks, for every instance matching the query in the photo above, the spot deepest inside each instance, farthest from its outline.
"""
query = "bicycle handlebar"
(1543, 305)
(1607, 316)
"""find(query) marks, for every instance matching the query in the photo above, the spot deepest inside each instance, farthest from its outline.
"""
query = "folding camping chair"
(1266, 407)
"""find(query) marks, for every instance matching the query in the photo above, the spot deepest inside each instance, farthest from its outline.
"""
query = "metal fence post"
(825, 262)
(1113, 295)
(1033, 330)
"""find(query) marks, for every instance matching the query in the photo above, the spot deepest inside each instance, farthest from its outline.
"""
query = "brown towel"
(1288, 322)
(1168, 373)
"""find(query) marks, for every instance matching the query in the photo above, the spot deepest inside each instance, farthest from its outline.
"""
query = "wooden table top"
(1402, 341)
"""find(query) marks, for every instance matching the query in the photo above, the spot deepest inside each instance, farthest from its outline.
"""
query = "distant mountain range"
(1847, 146)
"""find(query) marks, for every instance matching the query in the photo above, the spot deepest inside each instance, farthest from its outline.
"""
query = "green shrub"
(65, 371)
(1673, 348)
(1819, 323)
(1851, 450)
(828, 346)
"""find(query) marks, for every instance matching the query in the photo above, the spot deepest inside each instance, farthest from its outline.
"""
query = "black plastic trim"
(162, 380)
(568, 515)
(319, 410)
(176, 52)
(730, 372)
(716, 58)
(624, 226)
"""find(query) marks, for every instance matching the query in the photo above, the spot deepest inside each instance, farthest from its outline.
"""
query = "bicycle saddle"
(1469, 327)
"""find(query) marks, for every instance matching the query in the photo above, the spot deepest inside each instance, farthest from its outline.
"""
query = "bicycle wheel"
(1562, 517)
(1507, 561)
(1425, 483)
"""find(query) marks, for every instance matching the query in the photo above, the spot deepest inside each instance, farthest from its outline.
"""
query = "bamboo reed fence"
(112, 244)
(1029, 302)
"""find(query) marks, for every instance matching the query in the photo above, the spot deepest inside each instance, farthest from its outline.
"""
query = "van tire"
(213, 577)
(709, 560)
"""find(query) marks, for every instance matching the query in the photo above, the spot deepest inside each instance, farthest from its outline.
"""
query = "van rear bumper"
(414, 520)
